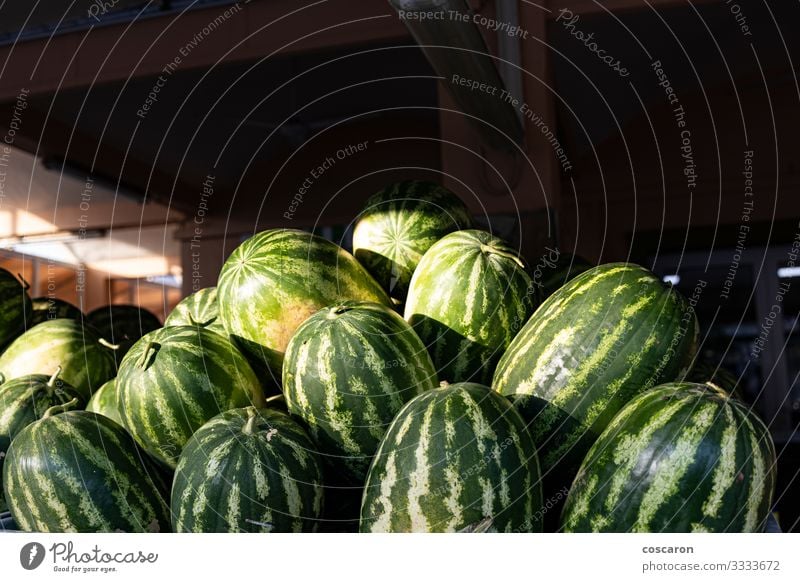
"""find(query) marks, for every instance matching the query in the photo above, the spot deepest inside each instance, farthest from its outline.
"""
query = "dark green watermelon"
(86, 362)
(122, 325)
(174, 380)
(679, 458)
(46, 308)
(24, 400)
(15, 307)
(248, 470)
(90, 477)
(704, 372)
(452, 457)
(348, 370)
(399, 224)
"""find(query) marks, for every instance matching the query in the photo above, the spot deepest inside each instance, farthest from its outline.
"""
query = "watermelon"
(348, 370)
(122, 325)
(399, 224)
(104, 401)
(704, 372)
(604, 337)
(85, 360)
(469, 296)
(678, 458)
(174, 380)
(15, 306)
(248, 470)
(25, 400)
(45, 308)
(452, 457)
(276, 280)
(554, 269)
(81, 472)
(199, 308)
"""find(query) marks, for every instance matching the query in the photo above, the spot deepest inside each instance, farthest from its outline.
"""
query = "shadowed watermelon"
(122, 325)
(15, 307)
(46, 308)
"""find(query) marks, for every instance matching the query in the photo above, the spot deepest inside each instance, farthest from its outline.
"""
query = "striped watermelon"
(199, 308)
(25, 400)
(468, 297)
(174, 380)
(453, 457)
(86, 362)
(348, 370)
(104, 401)
(678, 458)
(122, 325)
(80, 472)
(45, 308)
(15, 306)
(400, 223)
(248, 470)
(278, 278)
(607, 335)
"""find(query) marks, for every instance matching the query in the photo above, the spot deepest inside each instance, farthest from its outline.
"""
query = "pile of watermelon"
(432, 381)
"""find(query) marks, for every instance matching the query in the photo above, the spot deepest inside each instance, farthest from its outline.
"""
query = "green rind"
(348, 370)
(46, 308)
(399, 224)
(104, 401)
(551, 275)
(199, 308)
(80, 472)
(679, 458)
(15, 307)
(174, 380)
(276, 280)
(606, 336)
(25, 400)
(86, 363)
(452, 457)
(235, 478)
(468, 297)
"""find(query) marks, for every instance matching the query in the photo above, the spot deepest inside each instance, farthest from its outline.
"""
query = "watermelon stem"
(149, 352)
(252, 417)
(506, 254)
(25, 284)
(53, 410)
(52, 381)
(105, 343)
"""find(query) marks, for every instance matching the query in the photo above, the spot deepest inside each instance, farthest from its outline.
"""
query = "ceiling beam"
(197, 38)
